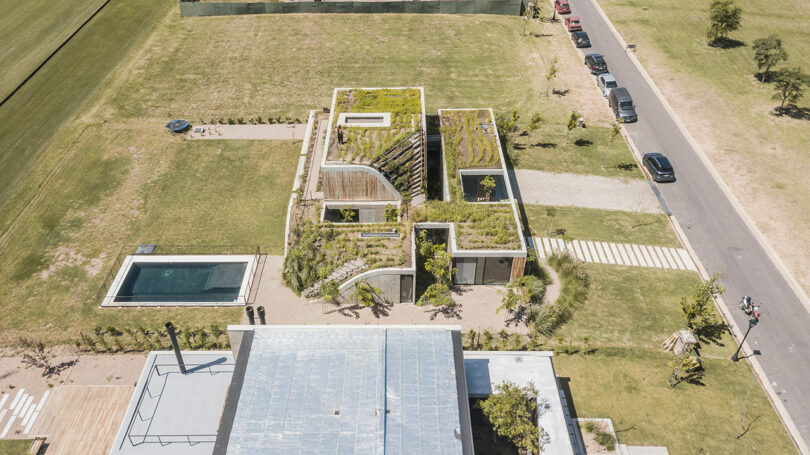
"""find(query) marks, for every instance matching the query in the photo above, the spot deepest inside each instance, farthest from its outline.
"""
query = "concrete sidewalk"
(275, 132)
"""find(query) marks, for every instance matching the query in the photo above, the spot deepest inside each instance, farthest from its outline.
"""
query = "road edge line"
(772, 254)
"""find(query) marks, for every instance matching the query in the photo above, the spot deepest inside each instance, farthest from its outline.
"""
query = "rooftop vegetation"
(320, 248)
(478, 226)
(469, 140)
(363, 144)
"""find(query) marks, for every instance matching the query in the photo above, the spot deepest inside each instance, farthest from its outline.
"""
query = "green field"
(602, 225)
(30, 31)
(761, 156)
(14, 446)
(590, 151)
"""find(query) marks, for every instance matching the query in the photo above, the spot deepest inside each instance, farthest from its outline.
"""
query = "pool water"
(182, 281)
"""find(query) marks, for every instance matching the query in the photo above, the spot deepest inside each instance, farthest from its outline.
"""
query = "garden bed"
(469, 140)
(478, 226)
(363, 144)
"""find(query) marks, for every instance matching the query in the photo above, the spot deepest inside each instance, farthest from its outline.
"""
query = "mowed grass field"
(762, 157)
(101, 171)
(30, 31)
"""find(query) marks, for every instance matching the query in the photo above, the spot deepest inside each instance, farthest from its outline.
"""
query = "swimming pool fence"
(499, 7)
(181, 250)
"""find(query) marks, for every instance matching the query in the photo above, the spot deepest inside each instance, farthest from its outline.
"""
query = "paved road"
(720, 238)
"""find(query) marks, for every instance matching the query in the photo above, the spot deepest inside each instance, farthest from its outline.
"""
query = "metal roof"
(358, 390)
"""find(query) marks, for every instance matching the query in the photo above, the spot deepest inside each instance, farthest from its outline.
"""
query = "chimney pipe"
(260, 310)
(180, 363)
(251, 317)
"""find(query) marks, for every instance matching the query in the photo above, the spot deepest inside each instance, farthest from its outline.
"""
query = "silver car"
(606, 83)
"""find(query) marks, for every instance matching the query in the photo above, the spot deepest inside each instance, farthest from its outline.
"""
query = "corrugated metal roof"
(348, 391)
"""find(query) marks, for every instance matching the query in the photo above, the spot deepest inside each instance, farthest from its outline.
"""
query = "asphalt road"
(719, 236)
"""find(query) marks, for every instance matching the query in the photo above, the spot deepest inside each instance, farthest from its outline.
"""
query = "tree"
(551, 74)
(573, 121)
(789, 85)
(488, 184)
(698, 312)
(346, 214)
(512, 412)
(366, 293)
(507, 125)
(767, 53)
(524, 292)
(535, 122)
(390, 213)
(438, 261)
(330, 291)
(725, 17)
(437, 295)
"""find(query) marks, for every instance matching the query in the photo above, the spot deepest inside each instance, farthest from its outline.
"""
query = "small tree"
(768, 52)
(347, 214)
(790, 84)
(366, 293)
(512, 412)
(698, 312)
(551, 212)
(507, 125)
(524, 292)
(615, 132)
(488, 184)
(390, 213)
(437, 295)
(330, 291)
(535, 122)
(573, 121)
(724, 18)
(551, 74)
(438, 261)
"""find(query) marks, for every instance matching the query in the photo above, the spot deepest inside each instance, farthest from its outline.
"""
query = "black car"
(659, 167)
(596, 63)
(580, 39)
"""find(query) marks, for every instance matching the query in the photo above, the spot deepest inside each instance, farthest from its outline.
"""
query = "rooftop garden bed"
(320, 248)
(478, 226)
(362, 145)
(469, 140)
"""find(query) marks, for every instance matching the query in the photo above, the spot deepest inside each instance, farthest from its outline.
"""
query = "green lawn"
(763, 157)
(630, 387)
(553, 148)
(30, 31)
(14, 446)
(602, 225)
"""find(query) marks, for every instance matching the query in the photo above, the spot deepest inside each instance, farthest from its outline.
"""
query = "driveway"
(719, 236)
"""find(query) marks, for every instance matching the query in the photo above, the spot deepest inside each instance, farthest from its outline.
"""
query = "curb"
(761, 376)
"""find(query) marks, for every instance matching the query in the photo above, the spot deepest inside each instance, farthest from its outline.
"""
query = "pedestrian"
(340, 136)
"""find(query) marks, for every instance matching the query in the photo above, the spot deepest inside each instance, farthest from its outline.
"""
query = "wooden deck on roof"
(83, 419)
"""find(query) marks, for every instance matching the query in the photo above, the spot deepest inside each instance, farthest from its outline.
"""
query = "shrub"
(605, 440)
(231, 121)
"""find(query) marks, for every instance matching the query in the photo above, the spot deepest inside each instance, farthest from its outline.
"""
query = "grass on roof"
(469, 140)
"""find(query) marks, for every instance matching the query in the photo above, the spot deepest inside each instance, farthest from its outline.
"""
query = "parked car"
(596, 63)
(659, 167)
(622, 105)
(580, 39)
(562, 6)
(606, 83)
(573, 24)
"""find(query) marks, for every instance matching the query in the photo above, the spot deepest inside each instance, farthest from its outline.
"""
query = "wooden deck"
(83, 419)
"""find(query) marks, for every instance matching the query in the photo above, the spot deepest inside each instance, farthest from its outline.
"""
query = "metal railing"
(179, 250)
(164, 439)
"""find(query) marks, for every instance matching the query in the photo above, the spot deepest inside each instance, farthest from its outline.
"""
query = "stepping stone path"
(618, 253)
(340, 275)
(19, 411)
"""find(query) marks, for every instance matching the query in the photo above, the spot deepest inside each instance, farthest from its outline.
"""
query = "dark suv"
(596, 63)
(659, 167)
(580, 39)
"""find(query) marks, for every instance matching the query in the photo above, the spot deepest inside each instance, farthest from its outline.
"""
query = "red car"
(562, 6)
(573, 24)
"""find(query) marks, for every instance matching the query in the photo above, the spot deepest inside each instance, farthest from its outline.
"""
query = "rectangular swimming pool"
(182, 280)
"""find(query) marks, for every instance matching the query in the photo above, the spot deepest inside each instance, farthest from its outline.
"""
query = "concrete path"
(589, 191)
(618, 253)
(275, 132)
(719, 235)
(315, 163)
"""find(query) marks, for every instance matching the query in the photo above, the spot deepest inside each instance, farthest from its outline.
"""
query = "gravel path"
(590, 191)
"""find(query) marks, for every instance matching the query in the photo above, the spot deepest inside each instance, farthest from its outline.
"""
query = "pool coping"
(241, 299)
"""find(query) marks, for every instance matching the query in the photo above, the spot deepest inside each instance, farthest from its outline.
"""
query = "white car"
(606, 83)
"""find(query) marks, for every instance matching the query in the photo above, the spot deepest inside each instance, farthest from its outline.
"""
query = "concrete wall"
(356, 183)
(499, 7)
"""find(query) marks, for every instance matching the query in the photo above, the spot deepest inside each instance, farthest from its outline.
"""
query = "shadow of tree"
(712, 333)
(545, 145)
(560, 92)
(583, 142)
(540, 35)
(792, 111)
(747, 427)
(450, 312)
(726, 43)
(627, 166)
